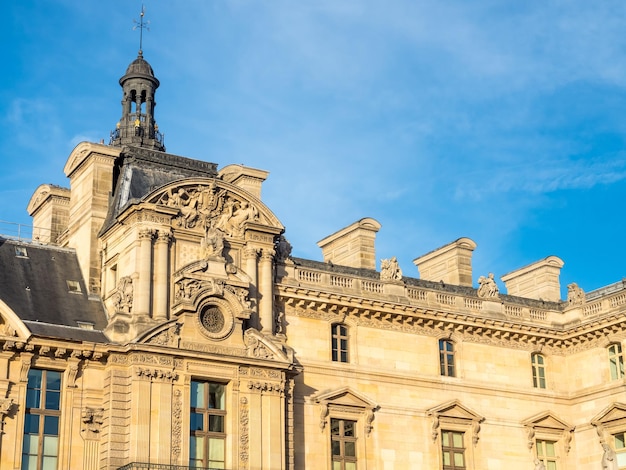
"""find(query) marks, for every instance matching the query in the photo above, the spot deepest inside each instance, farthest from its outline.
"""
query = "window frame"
(208, 412)
(337, 340)
(620, 452)
(447, 357)
(343, 459)
(540, 444)
(44, 415)
(616, 360)
(450, 433)
(538, 370)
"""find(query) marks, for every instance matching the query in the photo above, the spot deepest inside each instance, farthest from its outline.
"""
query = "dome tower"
(137, 127)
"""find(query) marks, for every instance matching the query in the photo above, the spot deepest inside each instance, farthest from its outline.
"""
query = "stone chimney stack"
(50, 209)
(539, 280)
(352, 246)
(451, 263)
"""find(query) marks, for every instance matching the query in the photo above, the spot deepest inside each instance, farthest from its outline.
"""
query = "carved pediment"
(548, 422)
(212, 204)
(167, 334)
(455, 414)
(345, 400)
(613, 417)
(261, 347)
(346, 397)
(455, 410)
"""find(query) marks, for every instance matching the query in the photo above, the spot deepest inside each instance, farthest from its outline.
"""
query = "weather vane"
(141, 25)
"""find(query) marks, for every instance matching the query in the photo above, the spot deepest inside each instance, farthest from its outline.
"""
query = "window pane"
(344, 356)
(53, 400)
(336, 465)
(348, 428)
(457, 439)
(50, 446)
(350, 449)
(216, 396)
(53, 380)
(445, 436)
(551, 466)
(216, 423)
(196, 422)
(33, 398)
(34, 378)
(550, 449)
(51, 425)
(49, 463)
(336, 447)
(334, 427)
(621, 460)
(446, 458)
(196, 448)
(197, 395)
(350, 466)
(458, 460)
(31, 424)
(31, 444)
(216, 450)
(29, 462)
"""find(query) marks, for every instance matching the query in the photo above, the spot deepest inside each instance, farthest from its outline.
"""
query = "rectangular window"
(343, 444)
(616, 361)
(446, 357)
(340, 343)
(207, 439)
(546, 452)
(453, 450)
(619, 441)
(539, 371)
(41, 420)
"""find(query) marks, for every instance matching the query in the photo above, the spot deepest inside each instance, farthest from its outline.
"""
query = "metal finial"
(141, 25)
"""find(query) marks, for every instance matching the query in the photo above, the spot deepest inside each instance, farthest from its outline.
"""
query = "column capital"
(146, 234)
(267, 254)
(164, 236)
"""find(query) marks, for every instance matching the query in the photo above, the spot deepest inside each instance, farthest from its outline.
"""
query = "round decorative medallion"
(216, 321)
(212, 319)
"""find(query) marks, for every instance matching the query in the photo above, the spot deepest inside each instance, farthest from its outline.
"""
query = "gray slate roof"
(35, 287)
(140, 171)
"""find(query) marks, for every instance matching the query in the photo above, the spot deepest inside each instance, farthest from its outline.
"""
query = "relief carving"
(177, 424)
(244, 439)
(213, 209)
(169, 337)
(92, 419)
(255, 347)
(123, 297)
(156, 374)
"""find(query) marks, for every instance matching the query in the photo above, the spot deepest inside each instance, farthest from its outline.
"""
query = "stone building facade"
(159, 320)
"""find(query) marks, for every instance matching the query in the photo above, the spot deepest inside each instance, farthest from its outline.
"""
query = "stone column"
(144, 268)
(161, 269)
(251, 256)
(266, 291)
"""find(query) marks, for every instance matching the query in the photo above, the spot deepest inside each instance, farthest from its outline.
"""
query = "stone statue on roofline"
(487, 287)
(575, 295)
(390, 270)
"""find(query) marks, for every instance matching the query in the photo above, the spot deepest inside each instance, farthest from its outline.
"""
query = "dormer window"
(20, 252)
(73, 287)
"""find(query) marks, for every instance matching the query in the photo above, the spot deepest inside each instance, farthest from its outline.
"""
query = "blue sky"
(502, 121)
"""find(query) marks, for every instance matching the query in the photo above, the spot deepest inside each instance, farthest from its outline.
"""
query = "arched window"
(539, 370)
(446, 357)
(616, 361)
(339, 334)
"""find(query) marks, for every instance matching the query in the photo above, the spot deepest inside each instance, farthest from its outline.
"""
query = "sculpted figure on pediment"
(235, 214)
(213, 242)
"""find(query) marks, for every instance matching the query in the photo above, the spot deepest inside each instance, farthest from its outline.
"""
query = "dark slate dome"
(139, 68)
